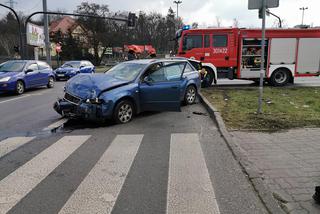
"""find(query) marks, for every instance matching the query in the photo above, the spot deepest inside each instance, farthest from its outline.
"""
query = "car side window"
(33, 67)
(188, 69)
(43, 66)
(173, 72)
(169, 72)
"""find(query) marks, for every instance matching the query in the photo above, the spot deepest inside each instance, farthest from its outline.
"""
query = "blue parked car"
(72, 68)
(130, 88)
(19, 75)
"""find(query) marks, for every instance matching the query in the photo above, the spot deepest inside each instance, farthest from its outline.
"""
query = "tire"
(123, 112)
(20, 87)
(190, 95)
(208, 79)
(50, 82)
(280, 77)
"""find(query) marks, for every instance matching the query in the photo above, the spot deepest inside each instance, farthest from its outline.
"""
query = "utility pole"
(46, 32)
(303, 9)
(11, 3)
(177, 3)
(263, 42)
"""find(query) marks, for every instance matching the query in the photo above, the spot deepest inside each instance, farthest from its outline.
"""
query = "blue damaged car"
(19, 75)
(130, 88)
(71, 68)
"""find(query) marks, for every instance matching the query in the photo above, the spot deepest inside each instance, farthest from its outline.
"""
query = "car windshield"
(126, 71)
(71, 64)
(11, 66)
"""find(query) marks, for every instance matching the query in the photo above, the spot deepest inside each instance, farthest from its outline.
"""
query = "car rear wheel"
(123, 112)
(19, 87)
(50, 82)
(190, 95)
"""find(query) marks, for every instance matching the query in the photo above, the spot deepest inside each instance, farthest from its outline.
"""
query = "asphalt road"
(170, 162)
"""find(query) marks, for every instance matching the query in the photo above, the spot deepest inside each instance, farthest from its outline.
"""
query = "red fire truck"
(236, 53)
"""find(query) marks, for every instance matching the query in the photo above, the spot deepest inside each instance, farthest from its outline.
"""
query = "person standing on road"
(131, 55)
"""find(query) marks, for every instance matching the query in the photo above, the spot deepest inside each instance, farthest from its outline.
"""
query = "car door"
(160, 87)
(44, 71)
(32, 75)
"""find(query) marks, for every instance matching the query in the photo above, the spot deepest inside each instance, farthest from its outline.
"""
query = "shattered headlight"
(94, 101)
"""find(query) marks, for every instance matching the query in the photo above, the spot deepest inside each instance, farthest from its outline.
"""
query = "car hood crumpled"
(87, 86)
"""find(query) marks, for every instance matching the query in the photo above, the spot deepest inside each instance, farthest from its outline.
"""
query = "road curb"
(254, 175)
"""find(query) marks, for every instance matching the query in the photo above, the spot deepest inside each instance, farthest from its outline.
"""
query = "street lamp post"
(303, 9)
(177, 3)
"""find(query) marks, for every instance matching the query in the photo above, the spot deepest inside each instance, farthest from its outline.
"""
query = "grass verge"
(283, 108)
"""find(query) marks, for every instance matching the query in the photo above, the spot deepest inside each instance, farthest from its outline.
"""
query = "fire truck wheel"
(208, 79)
(280, 77)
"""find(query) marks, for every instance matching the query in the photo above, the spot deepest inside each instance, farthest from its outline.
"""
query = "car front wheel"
(123, 112)
(190, 95)
(19, 87)
(50, 82)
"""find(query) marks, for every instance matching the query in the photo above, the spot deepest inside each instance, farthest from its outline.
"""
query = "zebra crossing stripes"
(189, 186)
(10, 144)
(99, 190)
(20, 182)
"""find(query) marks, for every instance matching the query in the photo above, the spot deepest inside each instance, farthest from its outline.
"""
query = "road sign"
(257, 4)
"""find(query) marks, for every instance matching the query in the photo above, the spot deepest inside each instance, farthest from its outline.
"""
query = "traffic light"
(260, 14)
(16, 49)
(131, 20)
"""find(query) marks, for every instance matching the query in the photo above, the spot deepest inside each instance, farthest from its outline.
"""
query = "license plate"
(60, 75)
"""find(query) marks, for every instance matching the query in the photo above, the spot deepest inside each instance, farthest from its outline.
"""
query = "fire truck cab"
(236, 53)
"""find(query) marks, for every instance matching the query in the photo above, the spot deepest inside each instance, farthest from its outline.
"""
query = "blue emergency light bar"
(186, 27)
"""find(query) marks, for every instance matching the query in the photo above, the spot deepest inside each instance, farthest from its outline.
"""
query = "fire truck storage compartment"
(251, 57)
(282, 54)
(309, 56)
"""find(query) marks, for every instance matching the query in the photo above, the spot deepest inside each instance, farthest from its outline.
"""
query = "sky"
(204, 12)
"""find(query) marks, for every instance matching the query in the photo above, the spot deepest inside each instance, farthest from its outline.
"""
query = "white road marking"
(189, 186)
(17, 98)
(98, 192)
(20, 182)
(55, 124)
(10, 144)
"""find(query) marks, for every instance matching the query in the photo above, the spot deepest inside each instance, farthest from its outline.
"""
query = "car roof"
(149, 61)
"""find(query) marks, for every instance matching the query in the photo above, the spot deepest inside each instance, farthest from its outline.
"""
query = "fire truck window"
(220, 41)
(192, 41)
(206, 41)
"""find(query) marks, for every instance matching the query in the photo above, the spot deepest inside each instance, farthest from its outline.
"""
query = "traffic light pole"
(20, 29)
(46, 32)
(262, 68)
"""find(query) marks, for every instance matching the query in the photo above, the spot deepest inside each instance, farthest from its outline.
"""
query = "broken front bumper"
(83, 110)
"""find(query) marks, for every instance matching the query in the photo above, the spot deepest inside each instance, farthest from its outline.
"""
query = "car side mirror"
(28, 71)
(81, 66)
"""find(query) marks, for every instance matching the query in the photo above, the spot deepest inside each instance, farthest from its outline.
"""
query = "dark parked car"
(130, 88)
(71, 68)
(19, 75)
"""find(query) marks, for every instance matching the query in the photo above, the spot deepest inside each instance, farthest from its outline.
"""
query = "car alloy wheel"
(124, 112)
(50, 82)
(191, 94)
(20, 87)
